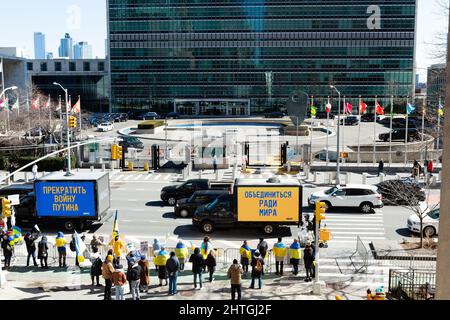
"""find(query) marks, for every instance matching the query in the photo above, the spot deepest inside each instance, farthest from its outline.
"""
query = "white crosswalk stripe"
(141, 177)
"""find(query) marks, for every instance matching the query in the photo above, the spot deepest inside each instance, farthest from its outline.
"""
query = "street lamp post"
(296, 118)
(68, 173)
(338, 160)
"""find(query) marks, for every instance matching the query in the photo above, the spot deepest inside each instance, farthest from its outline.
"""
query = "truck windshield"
(330, 191)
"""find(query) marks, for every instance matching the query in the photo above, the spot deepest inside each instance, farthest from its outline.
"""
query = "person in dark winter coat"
(43, 252)
(31, 247)
(172, 267)
(135, 278)
(211, 264)
(308, 259)
(257, 269)
(380, 167)
(262, 247)
(198, 264)
(96, 267)
(7, 250)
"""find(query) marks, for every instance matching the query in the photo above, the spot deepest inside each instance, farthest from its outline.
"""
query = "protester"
(173, 266)
(34, 170)
(31, 247)
(135, 278)
(118, 279)
(215, 163)
(206, 248)
(279, 251)
(246, 256)
(235, 273)
(430, 168)
(181, 253)
(211, 264)
(380, 167)
(61, 247)
(145, 274)
(308, 259)
(295, 254)
(95, 242)
(257, 269)
(156, 247)
(198, 265)
(72, 247)
(160, 261)
(43, 252)
(96, 266)
(7, 250)
(118, 248)
(263, 248)
(107, 272)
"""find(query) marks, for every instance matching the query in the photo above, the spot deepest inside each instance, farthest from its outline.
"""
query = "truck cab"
(219, 213)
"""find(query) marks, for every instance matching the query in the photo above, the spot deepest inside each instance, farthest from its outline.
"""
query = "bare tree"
(409, 196)
(439, 44)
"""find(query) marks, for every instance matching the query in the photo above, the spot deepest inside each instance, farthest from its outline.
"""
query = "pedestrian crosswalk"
(143, 177)
(345, 228)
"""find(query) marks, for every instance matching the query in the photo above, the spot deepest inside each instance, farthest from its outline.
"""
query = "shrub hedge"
(150, 124)
(49, 164)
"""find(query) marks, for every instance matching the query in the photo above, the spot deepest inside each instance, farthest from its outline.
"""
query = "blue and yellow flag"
(17, 234)
(440, 110)
(115, 230)
(410, 108)
(80, 247)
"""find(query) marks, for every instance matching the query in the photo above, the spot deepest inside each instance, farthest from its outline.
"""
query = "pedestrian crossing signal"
(119, 152)
(6, 208)
(321, 208)
(72, 122)
(114, 152)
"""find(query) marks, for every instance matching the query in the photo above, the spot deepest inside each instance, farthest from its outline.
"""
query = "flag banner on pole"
(440, 110)
(115, 230)
(47, 104)
(17, 234)
(348, 108)
(410, 108)
(59, 105)
(2, 104)
(379, 109)
(15, 106)
(328, 107)
(313, 111)
(80, 248)
(35, 104)
(77, 107)
(362, 107)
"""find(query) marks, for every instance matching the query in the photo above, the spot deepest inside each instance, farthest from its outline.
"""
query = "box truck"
(255, 203)
(75, 201)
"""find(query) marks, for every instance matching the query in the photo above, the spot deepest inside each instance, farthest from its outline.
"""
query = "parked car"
(407, 187)
(430, 222)
(132, 142)
(400, 123)
(171, 194)
(364, 197)
(323, 115)
(24, 212)
(136, 115)
(187, 206)
(172, 115)
(275, 114)
(369, 117)
(105, 126)
(150, 116)
(400, 135)
(350, 121)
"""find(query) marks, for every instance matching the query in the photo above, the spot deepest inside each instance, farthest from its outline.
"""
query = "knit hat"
(109, 258)
(143, 257)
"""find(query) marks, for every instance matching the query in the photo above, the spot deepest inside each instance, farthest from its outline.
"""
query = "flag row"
(36, 105)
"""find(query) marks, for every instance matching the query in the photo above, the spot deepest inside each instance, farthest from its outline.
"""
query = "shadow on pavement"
(404, 232)
(171, 215)
(155, 204)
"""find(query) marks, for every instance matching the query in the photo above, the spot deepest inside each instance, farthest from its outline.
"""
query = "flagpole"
(390, 132)
(29, 115)
(406, 133)
(311, 135)
(344, 122)
(50, 118)
(438, 131)
(375, 130)
(79, 101)
(423, 128)
(61, 119)
(359, 132)
(7, 115)
(328, 130)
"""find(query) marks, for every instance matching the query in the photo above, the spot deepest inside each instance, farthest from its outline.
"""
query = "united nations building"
(248, 56)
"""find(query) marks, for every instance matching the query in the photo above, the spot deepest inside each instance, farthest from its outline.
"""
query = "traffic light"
(119, 152)
(114, 152)
(72, 122)
(321, 207)
(6, 208)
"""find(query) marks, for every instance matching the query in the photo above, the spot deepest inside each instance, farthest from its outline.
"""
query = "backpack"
(72, 245)
(258, 266)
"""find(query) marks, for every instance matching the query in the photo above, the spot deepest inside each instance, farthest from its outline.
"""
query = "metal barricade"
(412, 284)
(362, 255)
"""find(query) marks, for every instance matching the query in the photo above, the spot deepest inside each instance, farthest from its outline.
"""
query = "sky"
(85, 20)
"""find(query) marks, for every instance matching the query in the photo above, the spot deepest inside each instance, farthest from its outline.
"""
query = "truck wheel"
(69, 225)
(184, 213)
(268, 229)
(207, 227)
(172, 201)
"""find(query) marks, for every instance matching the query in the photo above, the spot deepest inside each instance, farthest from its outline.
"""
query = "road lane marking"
(358, 228)
(138, 177)
(353, 232)
(167, 177)
(148, 176)
(120, 176)
(158, 177)
(127, 178)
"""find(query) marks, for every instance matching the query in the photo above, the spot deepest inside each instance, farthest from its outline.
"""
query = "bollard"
(146, 167)
(346, 178)
(130, 166)
(398, 177)
(288, 167)
(382, 177)
(364, 178)
(349, 177)
(433, 181)
(306, 170)
(315, 176)
(26, 176)
(92, 168)
(103, 167)
(184, 173)
(200, 173)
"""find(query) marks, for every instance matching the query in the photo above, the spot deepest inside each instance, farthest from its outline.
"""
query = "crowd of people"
(168, 265)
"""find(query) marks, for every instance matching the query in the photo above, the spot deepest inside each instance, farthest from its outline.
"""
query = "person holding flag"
(116, 243)
(80, 248)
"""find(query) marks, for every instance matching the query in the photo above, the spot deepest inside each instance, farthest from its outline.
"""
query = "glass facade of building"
(258, 50)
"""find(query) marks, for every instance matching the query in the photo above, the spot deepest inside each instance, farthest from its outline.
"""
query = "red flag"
(76, 108)
(362, 107)
(328, 107)
(2, 103)
(35, 104)
(348, 108)
(379, 109)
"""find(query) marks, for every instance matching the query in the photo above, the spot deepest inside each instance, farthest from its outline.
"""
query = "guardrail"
(412, 284)
(403, 259)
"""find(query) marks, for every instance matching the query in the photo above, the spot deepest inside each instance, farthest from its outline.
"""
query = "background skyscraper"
(39, 45)
(82, 50)
(66, 47)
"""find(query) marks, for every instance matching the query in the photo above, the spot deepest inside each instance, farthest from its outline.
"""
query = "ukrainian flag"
(441, 110)
(115, 230)
(17, 234)
(80, 247)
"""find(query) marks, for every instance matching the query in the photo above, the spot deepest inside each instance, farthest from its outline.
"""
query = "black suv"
(350, 121)
(323, 115)
(186, 207)
(171, 194)
(400, 134)
(275, 114)
(132, 142)
(24, 212)
(369, 117)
